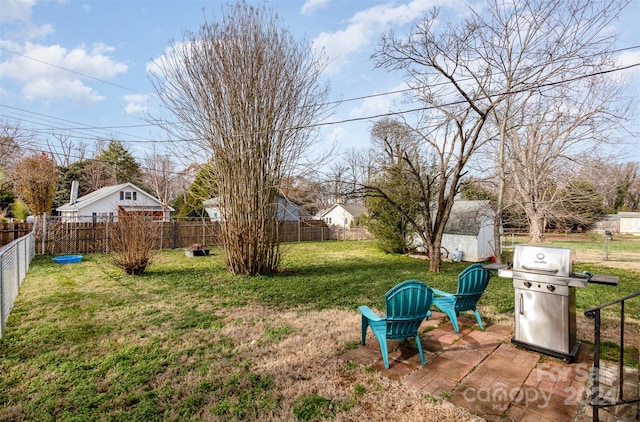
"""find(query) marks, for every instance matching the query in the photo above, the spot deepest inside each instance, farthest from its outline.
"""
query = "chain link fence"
(15, 258)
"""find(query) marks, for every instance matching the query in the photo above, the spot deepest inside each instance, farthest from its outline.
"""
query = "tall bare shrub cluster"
(247, 95)
(132, 241)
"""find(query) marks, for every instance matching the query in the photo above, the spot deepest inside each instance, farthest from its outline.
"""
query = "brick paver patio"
(485, 373)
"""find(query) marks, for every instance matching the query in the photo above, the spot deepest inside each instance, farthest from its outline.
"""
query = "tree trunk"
(536, 229)
(434, 258)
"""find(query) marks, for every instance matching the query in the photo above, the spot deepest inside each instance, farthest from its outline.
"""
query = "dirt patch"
(306, 361)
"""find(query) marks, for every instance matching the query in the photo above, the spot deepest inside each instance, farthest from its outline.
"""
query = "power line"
(350, 120)
(364, 97)
(84, 75)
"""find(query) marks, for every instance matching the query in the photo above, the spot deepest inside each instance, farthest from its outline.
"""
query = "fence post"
(2, 293)
(44, 233)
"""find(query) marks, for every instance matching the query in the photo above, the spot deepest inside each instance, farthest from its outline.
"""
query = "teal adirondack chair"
(408, 304)
(472, 282)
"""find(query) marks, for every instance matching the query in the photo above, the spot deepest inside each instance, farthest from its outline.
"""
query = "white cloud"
(338, 134)
(52, 72)
(16, 10)
(365, 26)
(50, 89)
(376, 105)
(310, 6)
(136, 103)
(627, 58)
(16, 15)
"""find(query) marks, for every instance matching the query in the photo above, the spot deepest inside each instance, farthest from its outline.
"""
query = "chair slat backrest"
(407, 305)
(472, 282)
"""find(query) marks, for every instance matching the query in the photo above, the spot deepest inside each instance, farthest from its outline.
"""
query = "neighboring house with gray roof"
(288, 209)
(110, 201)
(344, 215)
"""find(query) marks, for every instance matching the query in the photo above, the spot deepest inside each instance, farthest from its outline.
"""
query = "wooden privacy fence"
(13, 231)
(57, 237)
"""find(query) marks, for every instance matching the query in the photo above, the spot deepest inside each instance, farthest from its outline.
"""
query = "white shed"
(470, 230)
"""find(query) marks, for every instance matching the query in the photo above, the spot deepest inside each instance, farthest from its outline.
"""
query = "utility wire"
(355, 119)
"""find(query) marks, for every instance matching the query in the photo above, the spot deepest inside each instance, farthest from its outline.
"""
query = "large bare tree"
(450, 125)
(554, 138)
(476, 78)
(555, 108)
(247, 94)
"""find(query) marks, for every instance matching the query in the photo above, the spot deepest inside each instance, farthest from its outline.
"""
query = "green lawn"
(189, 341)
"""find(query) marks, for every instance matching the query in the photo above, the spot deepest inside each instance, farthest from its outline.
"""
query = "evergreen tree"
(202, 188)
(124, 166)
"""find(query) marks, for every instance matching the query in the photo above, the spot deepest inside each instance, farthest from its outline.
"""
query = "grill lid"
(543, 260)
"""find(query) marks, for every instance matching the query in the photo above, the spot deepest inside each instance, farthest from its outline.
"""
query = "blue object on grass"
(67, 259)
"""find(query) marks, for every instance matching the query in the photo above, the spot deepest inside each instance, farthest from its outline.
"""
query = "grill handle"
(521, 304)
(545, 270)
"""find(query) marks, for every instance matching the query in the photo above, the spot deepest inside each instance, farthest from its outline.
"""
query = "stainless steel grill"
(545, 299)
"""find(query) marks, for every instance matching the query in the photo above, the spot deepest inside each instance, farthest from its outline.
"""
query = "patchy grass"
(187, 340)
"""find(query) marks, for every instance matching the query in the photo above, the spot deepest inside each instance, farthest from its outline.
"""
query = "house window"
(328, 219)
(128, 196)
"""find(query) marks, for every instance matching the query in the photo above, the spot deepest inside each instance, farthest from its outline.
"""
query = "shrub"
(132, 241)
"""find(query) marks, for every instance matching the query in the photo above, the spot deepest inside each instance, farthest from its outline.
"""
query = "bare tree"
(248, 95)
(12, 142)
(538, 52)
(66, 151)
(555, 136)
(488, 69)
(160, 176)
(450, 126)
(617, 182)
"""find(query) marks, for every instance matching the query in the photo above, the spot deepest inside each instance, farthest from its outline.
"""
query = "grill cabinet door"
(541, 319)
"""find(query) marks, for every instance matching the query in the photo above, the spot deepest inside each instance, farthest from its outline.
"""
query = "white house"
(288, 209)
(344, 215)
(110, 201)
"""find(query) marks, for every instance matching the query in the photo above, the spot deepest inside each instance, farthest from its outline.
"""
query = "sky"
(80, 68)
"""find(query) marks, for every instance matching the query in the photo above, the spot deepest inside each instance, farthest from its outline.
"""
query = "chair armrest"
(437, 292)
(369, 314)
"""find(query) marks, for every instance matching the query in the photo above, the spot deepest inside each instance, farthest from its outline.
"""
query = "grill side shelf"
(610, 280)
